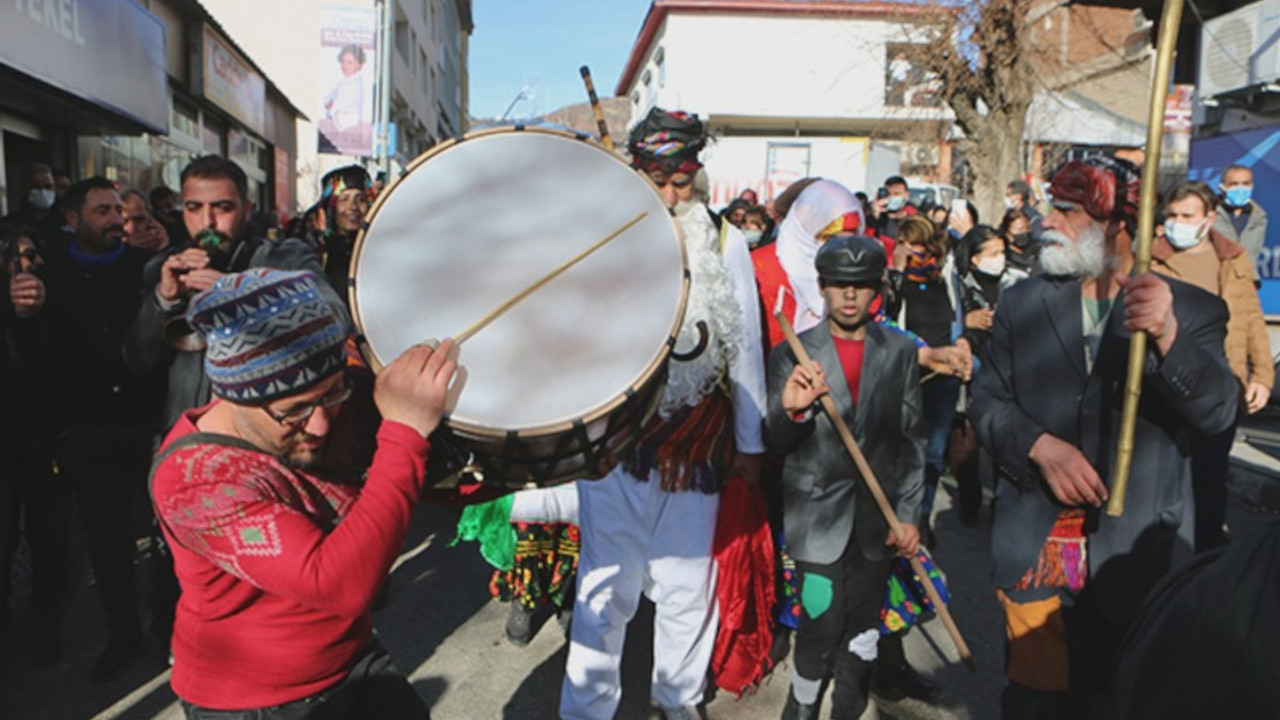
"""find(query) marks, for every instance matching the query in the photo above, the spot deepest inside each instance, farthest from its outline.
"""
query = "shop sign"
(110, 53)
(231, 83)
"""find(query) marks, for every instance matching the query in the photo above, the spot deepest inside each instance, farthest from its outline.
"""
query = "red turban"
(1107, 188)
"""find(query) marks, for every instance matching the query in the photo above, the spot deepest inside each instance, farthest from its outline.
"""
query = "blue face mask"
(753, 236)
(896, 203)
(1239, 195)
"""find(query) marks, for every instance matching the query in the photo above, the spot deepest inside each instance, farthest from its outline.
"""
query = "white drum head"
(476, 221)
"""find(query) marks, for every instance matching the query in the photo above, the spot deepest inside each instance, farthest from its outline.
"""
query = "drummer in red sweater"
(279, 547)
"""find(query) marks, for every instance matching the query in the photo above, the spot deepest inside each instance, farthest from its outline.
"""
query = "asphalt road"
(447, 634)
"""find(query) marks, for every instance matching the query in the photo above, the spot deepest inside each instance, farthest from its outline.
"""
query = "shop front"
(75, 68)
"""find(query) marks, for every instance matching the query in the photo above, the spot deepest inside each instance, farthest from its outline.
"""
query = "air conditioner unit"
(1237, 50)
(922, 154)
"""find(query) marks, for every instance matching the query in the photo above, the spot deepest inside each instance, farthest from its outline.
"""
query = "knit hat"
(336, 181)
(270, 334)
(668, 141)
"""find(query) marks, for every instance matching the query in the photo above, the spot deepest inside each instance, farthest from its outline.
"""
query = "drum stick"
(479, 324)
(595, 108)
(877, 492)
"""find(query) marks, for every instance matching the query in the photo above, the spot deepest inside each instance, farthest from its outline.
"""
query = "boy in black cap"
(834, 530)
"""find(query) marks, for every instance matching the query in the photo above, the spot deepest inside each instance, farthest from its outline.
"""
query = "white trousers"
(635, 538)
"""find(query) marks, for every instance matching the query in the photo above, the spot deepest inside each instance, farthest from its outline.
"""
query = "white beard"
(1086, 256)
(711, 301)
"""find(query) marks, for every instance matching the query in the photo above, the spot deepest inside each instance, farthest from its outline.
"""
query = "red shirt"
(278, 567)
(851, 353)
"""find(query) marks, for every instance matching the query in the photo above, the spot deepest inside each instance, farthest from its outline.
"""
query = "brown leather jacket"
(1248, 350)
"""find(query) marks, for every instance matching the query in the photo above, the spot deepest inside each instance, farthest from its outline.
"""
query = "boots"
(793, 710)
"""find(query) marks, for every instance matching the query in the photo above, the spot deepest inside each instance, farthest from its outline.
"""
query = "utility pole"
(387, 8)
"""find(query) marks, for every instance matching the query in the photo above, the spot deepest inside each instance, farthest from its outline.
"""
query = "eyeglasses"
(297, 417)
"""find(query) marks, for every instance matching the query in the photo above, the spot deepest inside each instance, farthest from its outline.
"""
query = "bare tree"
(991, 57)
(983, 54)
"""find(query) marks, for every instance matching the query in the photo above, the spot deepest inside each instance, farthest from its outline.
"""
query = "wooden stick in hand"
(877, 492)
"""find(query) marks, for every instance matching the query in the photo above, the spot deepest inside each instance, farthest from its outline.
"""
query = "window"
(184, 119)
(660, 60)
(403, 38)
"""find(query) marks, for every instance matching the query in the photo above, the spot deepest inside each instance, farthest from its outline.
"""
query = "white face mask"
(896, 203)
(993, 266)
(753, 236)
(41, 199)
(1010, 202)
(1183, 236)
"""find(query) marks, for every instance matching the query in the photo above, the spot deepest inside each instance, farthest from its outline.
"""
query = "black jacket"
(1033, 380)
(73, 347)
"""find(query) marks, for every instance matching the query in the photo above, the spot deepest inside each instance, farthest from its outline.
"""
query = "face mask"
(1239, 195)
(1010, 203)
(1022, 240)
(993, 266)
(753, 236)
(41, 199)
(1183, 236)
(896, 203)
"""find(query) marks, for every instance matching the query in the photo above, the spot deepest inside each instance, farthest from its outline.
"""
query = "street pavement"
(447, 635)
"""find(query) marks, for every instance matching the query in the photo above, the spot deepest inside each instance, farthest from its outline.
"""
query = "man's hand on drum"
(747, 465)
(412, 389)
(185, 273)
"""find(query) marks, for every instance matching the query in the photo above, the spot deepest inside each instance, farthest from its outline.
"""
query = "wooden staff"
(877, 492)
(1169, 21)
(595, 107)
(479, 324)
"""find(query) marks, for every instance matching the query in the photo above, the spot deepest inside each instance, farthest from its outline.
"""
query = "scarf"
(818, 206)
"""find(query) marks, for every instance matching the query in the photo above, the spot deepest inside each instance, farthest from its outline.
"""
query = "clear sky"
(540, 44)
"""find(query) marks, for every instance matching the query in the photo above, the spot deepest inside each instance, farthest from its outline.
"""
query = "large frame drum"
(562, 381)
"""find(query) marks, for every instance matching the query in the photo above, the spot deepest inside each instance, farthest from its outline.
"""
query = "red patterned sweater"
(278, 567)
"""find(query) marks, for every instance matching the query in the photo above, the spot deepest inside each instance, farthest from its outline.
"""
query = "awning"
(1071, 118)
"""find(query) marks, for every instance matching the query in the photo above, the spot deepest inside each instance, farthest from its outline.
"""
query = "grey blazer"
(1033, 380)
(824, 498)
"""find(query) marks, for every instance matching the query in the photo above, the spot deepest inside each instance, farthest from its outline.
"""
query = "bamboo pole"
(1170, 19)
(877, 492)
(478, 325)
(595, 108)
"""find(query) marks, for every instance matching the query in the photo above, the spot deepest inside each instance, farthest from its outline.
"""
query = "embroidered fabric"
(712, 302)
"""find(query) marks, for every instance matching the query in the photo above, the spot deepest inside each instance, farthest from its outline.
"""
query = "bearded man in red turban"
(1047, 404)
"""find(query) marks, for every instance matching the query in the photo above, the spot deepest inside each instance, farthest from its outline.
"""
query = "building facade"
(133, 91)
(793, 89)
(429, 45)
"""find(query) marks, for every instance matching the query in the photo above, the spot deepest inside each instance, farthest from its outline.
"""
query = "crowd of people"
(184, 369)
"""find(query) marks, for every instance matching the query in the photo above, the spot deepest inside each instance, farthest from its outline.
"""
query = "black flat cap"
(851, 259)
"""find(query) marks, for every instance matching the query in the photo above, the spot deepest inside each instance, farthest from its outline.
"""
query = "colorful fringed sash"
(691, 450)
